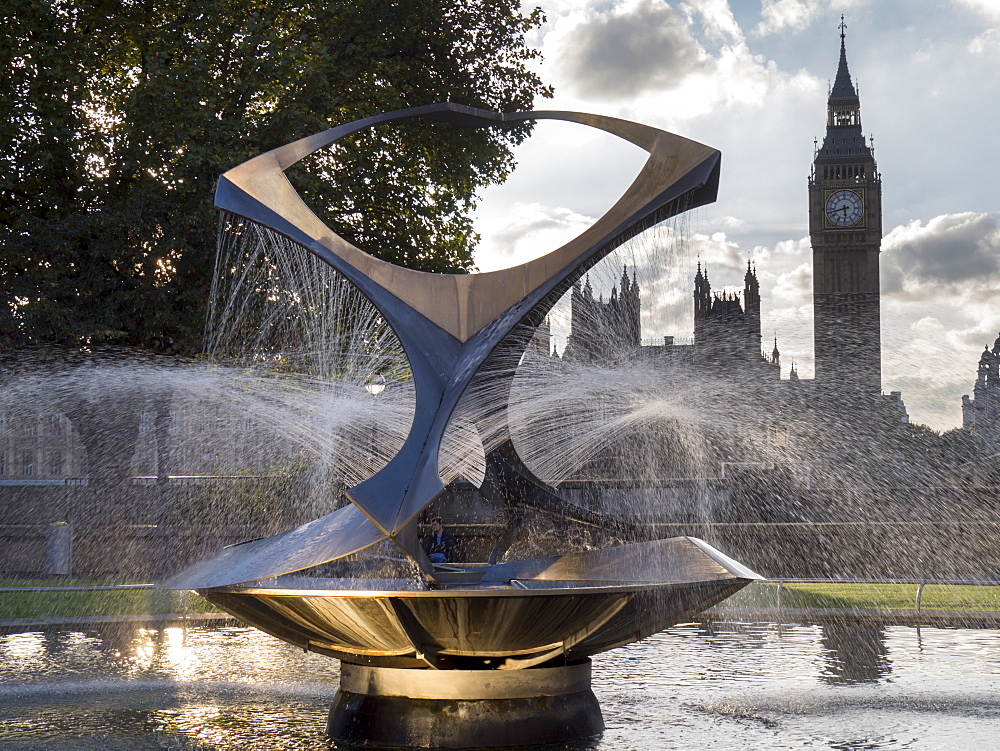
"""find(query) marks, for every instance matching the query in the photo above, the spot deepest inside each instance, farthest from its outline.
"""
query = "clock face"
(844, 208)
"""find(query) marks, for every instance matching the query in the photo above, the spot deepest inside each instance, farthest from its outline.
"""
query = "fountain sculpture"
(461, 655)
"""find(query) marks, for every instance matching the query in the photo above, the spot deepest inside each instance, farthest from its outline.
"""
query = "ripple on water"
(723, 686)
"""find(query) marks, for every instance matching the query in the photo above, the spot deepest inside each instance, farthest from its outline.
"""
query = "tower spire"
(843, 113)
(843, 90)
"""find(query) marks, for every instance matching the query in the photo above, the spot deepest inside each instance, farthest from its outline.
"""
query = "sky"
(751, 78)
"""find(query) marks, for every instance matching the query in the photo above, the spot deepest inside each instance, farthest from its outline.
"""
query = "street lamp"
(375, 384)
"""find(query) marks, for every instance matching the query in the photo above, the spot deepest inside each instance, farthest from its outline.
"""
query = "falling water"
(304, 390)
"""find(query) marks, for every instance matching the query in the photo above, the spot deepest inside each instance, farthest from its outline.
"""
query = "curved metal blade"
(333, 536)
(677, 559)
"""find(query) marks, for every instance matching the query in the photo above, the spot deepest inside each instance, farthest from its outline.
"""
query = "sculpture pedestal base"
(393, 707)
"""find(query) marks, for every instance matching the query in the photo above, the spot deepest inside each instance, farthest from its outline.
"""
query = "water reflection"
(719, 685)
(855, 653)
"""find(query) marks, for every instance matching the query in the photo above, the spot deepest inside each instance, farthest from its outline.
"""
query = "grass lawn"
(103, 602)
(57, 604)
(877, 595)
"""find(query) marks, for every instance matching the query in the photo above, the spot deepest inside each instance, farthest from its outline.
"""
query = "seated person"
(438, 544)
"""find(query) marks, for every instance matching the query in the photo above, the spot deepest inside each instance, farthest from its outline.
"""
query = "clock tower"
(845, 227)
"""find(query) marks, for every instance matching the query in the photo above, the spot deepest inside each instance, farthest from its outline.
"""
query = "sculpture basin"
(506, 616)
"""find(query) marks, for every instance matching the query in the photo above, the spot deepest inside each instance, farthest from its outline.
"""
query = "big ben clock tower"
(845, 227)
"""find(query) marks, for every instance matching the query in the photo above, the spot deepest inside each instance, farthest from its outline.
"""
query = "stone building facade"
(39, 449)
(981, 413)
(603, 329)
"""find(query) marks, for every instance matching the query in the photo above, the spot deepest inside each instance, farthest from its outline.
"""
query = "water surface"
(713, 685)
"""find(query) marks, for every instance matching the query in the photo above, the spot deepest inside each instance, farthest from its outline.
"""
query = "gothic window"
(28, 463)
(56, 463)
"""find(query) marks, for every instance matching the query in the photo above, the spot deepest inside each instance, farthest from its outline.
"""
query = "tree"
(120, 116)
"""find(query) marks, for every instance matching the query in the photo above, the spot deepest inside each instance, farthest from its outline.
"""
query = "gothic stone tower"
(602, 330)
(723, 327)
(845, 226)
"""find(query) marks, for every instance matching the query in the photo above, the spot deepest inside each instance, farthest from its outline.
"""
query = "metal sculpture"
(545, 614)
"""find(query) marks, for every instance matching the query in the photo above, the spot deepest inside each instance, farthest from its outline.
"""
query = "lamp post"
(374, 385)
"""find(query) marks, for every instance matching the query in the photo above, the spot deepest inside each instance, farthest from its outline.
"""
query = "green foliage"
(118, 118)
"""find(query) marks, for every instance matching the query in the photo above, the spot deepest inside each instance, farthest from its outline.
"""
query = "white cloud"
(629, 49)
(525, 233)
(717, 252)
(730, 222)
(794, 248)
(925, 359)
(940, 305)
(717, 17)
(567, 175)
(952, 255)
(794, 287)
(778, 15)
(795, 15)
(642, 59)
(988, 9)
(986, 43)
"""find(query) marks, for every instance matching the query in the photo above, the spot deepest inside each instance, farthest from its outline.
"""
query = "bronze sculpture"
(515, 633)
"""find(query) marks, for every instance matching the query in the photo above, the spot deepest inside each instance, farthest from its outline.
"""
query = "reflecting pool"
(722, 685)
